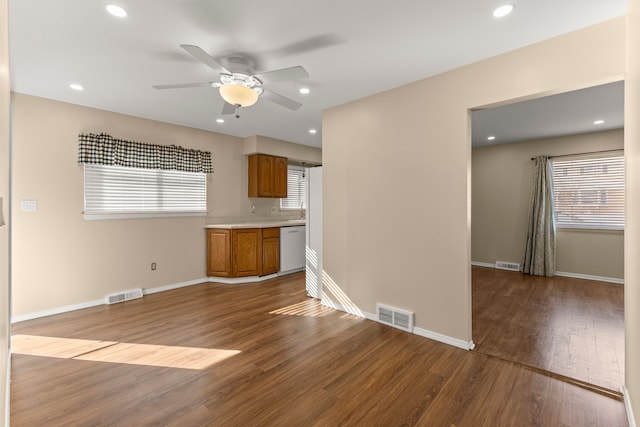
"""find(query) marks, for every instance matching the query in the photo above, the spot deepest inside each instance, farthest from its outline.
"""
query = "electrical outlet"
(153, 266)
(273, 209)
(28, 205)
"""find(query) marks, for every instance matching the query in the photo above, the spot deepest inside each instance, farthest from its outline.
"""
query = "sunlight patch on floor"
(304, 308)
(115, 352)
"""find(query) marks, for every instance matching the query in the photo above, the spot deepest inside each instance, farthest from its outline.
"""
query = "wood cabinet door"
(265, 176)
(247, 252)
(270, 250)
(219, 252)
(280, 173)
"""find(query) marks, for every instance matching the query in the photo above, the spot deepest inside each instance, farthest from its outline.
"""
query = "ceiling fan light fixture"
(240, 95)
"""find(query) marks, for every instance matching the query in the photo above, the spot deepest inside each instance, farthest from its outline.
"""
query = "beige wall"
(4, 193)
(294, 152)
(500, 191)
(60, 259)
(277, 147)
(632, 226)
(414, 250)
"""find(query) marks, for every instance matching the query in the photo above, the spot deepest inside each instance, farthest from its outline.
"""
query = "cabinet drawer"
(270, 232)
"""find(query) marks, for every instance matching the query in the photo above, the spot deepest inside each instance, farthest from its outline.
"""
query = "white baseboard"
(57, 310)
(7, 403)
(465, 345)
(236, 280)
(483, 264)
(627, 405)
(590, 277)
(94, 303)
(445, 339)
(175, 286)
(564, 274)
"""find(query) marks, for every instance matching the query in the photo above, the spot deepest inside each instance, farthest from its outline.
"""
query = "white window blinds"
(296, 188)
(125, 190)
(589, 193)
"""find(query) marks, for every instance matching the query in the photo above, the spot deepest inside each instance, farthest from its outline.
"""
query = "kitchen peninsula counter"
(258, 224)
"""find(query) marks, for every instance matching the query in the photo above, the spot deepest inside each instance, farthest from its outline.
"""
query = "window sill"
(100, 217)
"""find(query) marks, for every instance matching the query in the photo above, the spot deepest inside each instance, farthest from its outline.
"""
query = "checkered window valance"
(103, 149)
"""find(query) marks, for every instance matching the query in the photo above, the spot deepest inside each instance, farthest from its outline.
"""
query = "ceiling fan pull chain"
(237, 111)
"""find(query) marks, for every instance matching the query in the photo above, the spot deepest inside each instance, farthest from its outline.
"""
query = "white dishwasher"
(292, 249)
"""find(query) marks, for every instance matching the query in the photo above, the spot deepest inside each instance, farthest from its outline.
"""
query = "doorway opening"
(571, 325)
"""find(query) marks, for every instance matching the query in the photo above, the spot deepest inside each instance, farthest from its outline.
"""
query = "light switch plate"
(28, 205)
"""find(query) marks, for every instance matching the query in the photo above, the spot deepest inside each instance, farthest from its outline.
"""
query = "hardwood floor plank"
(571, 327)
(295, 363)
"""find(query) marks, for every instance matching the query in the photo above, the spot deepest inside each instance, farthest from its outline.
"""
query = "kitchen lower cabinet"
(270, 250)
(243, 252)
(219, 253)
(246, 256)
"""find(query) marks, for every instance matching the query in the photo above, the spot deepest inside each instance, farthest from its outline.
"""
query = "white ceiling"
(351, 49)
(568, 113)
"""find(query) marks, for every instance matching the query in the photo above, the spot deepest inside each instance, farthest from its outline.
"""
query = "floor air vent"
(395, 317)
(124, 296)
(502, 265)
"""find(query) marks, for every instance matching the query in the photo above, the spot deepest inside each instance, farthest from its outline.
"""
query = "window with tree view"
(589, 193)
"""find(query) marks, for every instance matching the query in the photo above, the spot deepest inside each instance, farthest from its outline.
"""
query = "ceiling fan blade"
(276, 98)
(182, 85)
(203, 57)
(307, 45)
(228, 108)
(291, 73)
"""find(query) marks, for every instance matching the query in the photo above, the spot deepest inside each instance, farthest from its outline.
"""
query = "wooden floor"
(266, 355)
(570, 327)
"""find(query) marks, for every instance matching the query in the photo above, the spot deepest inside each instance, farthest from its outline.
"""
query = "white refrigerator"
(313, 249)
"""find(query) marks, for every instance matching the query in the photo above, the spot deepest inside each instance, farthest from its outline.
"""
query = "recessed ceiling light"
(304, 90)
(598, 122)
(76, 86)
(219, 120)
(504, 10)
(116, 10)
(491, 138)
(312, 131)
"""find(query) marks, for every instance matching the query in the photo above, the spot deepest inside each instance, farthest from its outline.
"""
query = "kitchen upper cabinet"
(280, 175)
(243, 252)
(270, 250)
(267, 176)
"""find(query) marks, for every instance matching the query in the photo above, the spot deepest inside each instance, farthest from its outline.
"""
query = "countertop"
(260, 224)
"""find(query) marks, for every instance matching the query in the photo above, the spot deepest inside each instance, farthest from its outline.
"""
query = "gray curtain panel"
(540, 253)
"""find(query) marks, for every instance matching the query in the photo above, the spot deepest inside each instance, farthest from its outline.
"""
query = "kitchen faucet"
(302, 210)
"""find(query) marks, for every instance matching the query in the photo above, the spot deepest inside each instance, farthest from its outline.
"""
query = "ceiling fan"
(238, 85)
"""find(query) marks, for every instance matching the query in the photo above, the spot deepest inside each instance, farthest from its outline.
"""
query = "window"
(589, 193)
(296, 188)
(126, 179)
(125, 190)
